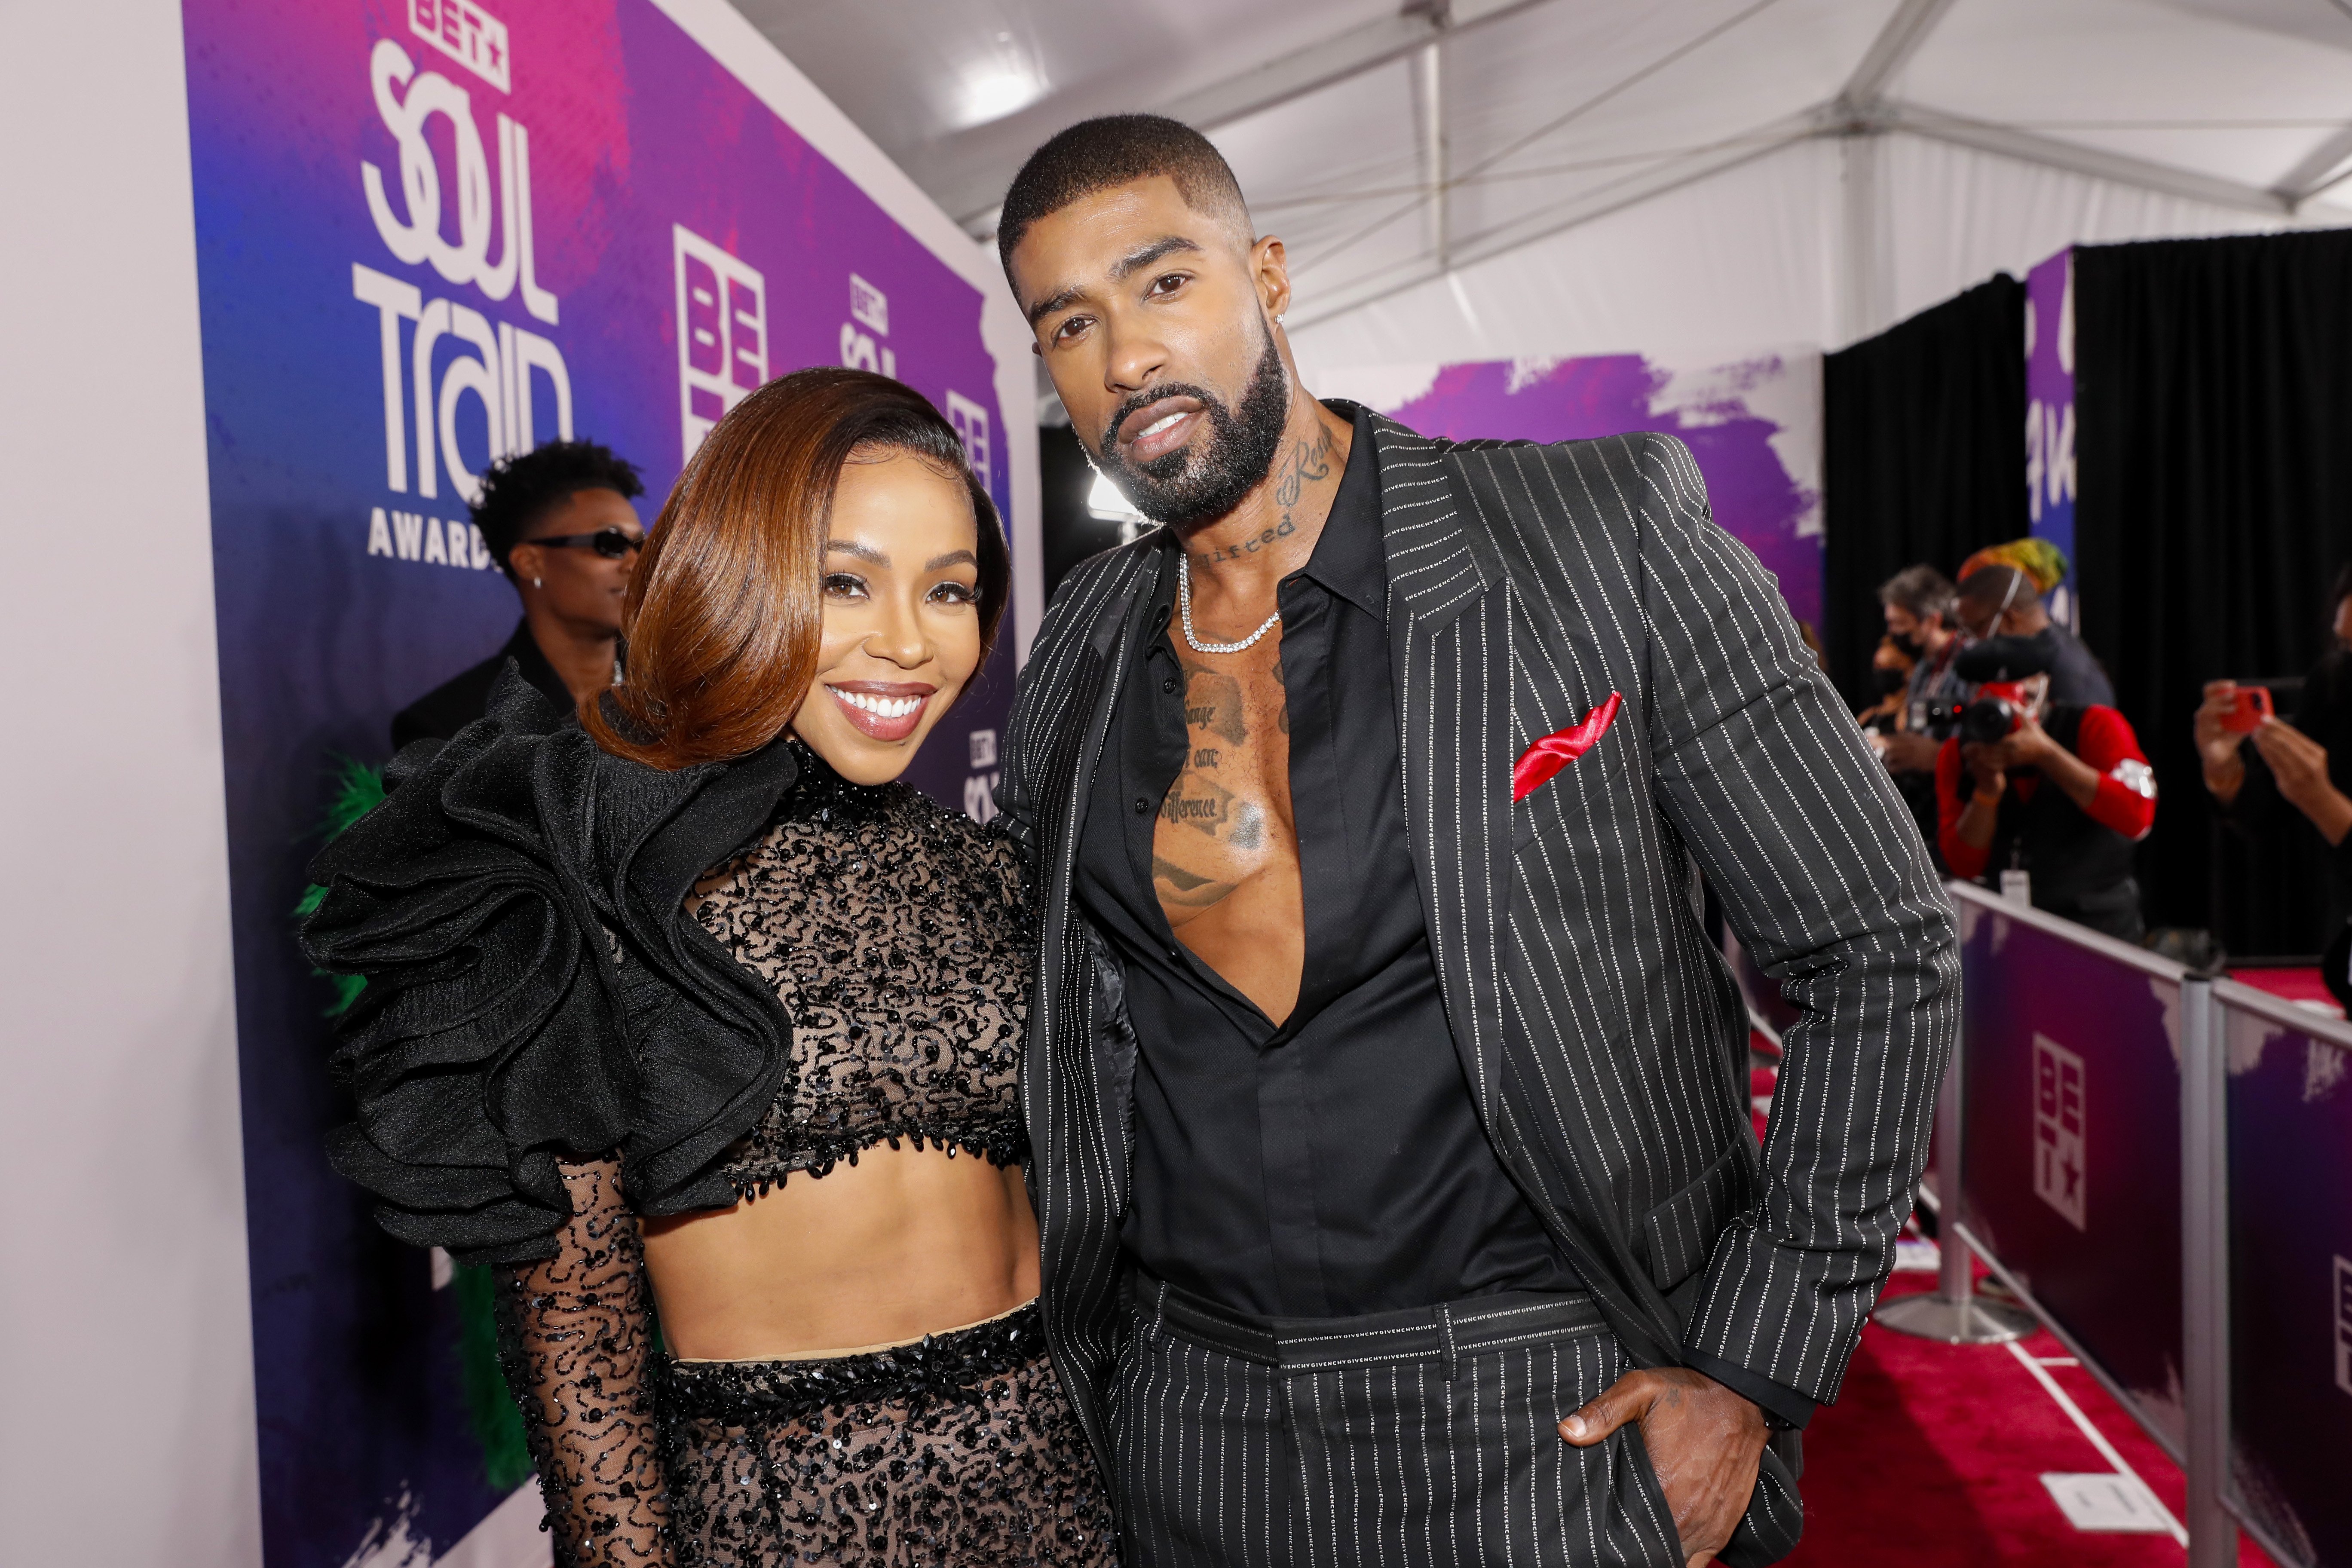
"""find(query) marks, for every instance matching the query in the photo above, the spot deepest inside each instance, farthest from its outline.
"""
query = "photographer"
(2002, 603)
(2306, 761)
(1918, 604)
(2055, 792)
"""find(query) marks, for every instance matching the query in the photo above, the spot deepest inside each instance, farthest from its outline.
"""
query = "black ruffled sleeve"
(489, 1041)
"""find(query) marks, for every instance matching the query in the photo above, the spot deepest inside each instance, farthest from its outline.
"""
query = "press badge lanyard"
(2016, 881)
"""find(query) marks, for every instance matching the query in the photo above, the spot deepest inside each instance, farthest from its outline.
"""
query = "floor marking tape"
(2098, 1438)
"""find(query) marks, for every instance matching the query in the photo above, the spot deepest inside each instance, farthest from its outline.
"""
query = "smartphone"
(2246, 714)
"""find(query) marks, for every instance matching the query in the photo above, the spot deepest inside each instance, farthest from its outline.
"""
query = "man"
(559, 523)
(2001, 602)
(1398, 1198)
(2062, 798)
(1919, 604)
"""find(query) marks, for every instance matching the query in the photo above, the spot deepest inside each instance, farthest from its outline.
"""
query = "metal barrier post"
(1954, 1314)
(2205, 1275)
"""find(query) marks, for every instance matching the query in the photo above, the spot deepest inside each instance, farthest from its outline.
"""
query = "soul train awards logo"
(501, 363)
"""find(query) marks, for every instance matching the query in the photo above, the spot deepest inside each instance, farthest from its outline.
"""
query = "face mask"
(1889, 681)
(1909, 642)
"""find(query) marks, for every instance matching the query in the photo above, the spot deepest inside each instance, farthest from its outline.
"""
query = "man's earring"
(537, 583)
(1278, 317)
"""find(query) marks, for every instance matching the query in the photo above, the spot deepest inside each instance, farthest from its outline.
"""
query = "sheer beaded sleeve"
(576, 1335)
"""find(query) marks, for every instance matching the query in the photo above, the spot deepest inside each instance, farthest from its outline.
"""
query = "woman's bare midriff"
(905, 1243)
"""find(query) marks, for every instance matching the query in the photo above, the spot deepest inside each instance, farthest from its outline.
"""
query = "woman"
(694, 1012)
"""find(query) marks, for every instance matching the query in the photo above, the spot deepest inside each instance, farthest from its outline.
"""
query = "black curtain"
(1923, 458)
(2213, 451)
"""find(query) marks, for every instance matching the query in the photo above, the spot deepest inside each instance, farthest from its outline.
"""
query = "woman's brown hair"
(725, 607)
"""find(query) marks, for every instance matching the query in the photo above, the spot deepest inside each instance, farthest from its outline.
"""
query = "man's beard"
(1201, 481)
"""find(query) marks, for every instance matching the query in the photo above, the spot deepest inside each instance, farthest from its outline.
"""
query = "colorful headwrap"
(2037, 558)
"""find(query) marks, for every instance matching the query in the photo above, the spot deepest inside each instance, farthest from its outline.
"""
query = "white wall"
(126, 1367)
(1757, 256)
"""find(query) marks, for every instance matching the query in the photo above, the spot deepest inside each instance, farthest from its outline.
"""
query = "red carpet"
(1933, 1454)
(2294, 984)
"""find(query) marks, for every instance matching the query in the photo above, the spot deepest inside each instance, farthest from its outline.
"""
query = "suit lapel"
(1450, 651)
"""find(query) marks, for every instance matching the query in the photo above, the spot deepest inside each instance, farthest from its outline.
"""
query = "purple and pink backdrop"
(428, 232)
(1753, 424)
(2049, 414)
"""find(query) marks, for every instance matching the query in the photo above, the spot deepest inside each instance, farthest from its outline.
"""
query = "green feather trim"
(359, 789)
(497, 1421)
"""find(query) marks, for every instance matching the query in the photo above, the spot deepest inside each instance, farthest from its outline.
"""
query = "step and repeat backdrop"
(430, 232)
(1753, 424)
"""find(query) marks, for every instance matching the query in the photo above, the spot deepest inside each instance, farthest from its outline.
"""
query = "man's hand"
(1703, 1440)
(1987, 768)
(1910, 754)
(2300, 766)
(2028, 745)
(2216, 748)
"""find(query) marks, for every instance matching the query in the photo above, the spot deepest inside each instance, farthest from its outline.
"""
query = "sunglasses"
(609, 542)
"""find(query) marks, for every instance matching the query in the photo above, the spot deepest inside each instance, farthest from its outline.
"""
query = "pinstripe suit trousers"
(1398, 1440)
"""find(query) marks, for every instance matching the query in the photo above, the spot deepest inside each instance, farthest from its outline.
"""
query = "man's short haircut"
(1118, 150)
(518, 490)
(1920, 589)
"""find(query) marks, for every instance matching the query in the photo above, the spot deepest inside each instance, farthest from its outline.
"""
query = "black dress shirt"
(456, 703)
(1335, 1164)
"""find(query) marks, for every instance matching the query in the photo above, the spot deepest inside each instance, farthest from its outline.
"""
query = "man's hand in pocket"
(1705, 1443)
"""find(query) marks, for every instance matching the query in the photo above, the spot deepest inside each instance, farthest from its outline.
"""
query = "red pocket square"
(1554, 752)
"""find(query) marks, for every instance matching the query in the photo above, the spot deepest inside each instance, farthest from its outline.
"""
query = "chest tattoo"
(1227, 815)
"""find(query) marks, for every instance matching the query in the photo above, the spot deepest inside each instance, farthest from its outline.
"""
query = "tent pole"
(1429, 100)
(1864, 301)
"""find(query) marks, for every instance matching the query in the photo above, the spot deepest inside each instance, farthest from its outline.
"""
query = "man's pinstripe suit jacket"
(1601, 1034)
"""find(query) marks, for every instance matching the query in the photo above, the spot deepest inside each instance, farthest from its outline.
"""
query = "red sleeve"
(2127, 798)
(1966, 861)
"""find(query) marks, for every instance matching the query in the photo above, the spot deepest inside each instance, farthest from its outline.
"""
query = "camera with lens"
(2005, 668)
(1998, 710)
(1993, 712)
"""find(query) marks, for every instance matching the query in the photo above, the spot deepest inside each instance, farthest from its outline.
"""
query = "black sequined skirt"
(958, 1449)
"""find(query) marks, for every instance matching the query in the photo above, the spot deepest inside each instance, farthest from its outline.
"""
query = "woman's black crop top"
(723, 974)
(885, 926)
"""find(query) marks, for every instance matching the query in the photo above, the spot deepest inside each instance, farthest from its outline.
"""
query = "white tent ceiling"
(1513, 176)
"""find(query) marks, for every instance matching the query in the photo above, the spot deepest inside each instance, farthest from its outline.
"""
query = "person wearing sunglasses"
(559, 523)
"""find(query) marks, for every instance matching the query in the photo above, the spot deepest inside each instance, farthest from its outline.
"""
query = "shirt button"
(1142, 804)
(1168, 684)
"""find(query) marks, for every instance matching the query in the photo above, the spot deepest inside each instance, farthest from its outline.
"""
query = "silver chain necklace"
(1184, 599)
